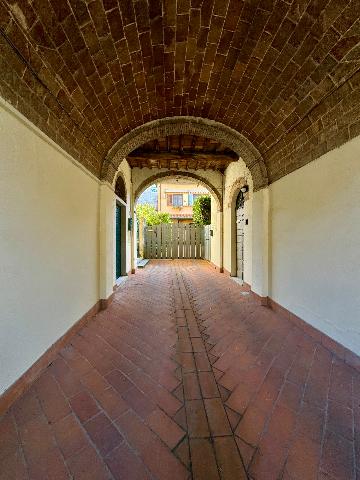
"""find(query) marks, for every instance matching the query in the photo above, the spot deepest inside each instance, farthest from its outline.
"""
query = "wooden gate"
(207, 242)
(173, 240)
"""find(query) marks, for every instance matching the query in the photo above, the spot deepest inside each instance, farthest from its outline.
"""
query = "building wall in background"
(185, 195)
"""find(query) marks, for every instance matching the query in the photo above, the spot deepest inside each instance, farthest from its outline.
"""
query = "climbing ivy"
(202, 210)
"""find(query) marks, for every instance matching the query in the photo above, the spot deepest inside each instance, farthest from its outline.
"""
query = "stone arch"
(183, 174)
(120, 187)
(191, 126)
(235, 189)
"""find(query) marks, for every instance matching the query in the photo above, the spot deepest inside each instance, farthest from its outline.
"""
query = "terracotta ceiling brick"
(283, 74)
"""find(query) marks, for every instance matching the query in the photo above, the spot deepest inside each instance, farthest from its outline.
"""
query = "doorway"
(240, 223)
(120, 240)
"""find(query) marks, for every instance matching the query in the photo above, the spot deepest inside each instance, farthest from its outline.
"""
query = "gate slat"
(145, 244)
(192, 241)
(154, 242)
(170, 241)
(188, 242)
(181, 240)
(166, 235)
(148, 234)
(202, 242)
(198, 241)
(158, 241)
(185, 232)
(175, 246)
(161, 241)
(164, 240)
(152, 250)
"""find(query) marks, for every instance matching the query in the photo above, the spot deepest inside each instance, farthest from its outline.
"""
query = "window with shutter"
(169, 200)
(177, 200)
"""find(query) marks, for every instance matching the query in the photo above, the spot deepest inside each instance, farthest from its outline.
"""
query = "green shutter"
(118, 241)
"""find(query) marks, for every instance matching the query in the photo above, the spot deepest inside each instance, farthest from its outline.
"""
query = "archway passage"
(175, 223)
(178, 174)
(85, 85)
(231, 141)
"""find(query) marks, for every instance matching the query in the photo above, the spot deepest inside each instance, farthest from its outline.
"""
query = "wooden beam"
(215, 156)
(187, 160)
(193, 142)
(181, 150)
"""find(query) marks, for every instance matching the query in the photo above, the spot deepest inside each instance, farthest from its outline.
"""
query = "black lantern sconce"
(241, 196)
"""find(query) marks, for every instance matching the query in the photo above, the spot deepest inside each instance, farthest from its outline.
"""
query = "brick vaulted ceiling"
(283, 73)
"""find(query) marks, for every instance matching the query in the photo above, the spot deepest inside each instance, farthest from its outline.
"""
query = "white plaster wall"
(106, 240)
(260, 242)
(48, 244)
(233, 173)
(315, 239)
(215, 255)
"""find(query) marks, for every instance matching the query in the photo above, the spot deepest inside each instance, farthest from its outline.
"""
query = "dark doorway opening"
(118, 241)
(240, 223)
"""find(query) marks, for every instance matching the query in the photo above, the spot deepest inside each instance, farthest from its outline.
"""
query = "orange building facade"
(177, 199)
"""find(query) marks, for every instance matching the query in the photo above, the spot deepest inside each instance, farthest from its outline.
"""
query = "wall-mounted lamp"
(244, 189)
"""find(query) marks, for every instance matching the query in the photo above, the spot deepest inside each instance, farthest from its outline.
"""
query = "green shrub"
(148, 213)
(202, 210)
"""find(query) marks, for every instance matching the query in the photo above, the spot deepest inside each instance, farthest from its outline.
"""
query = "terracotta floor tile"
(208, 385)
(196, 419)
(191, 386)
(125, 464)
(202, 362)
(9, 440)
(49, 465)
(158, 458)
(165, 428)
(13, 466)
(337, 457)
(103, 433)
(70, 436)
(87, 465)
(183, 453)
(246, 451)
(53, 402)
(203, 460)
(84, 406)
(218, 421)
(27, 408)
(228, 458)
(112, 406)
